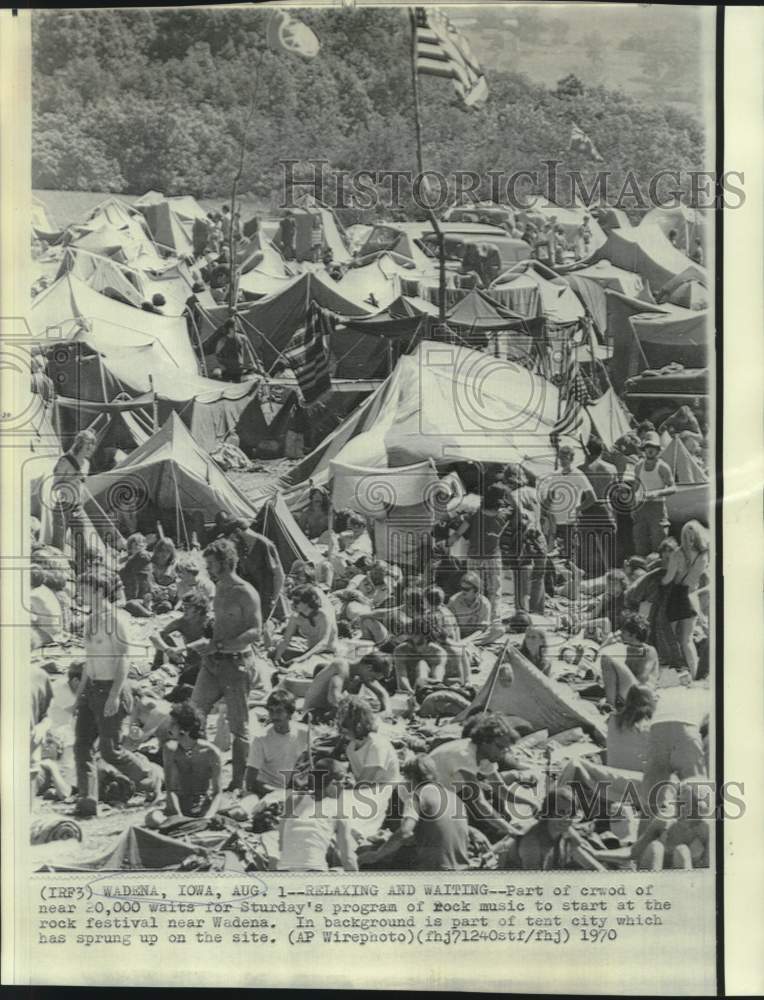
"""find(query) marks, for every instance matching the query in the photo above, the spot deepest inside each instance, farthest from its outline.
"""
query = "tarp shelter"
(270, 323)
(609, 417)
(691, 273)
(690, 295)
(687, 472)
(71, 310)
(689, 224)
(558, 303)
(607, 275)
(137, 849)
(516, 687)
(477, 312)
(172, 477)
(451, 404)
(364, 347)
(167, 230)
(276, 522)
(646, 251)
(103, 275)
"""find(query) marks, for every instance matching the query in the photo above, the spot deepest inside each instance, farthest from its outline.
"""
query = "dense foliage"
(137, 99)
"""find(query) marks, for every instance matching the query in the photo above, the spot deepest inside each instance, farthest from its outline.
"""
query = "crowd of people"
(334, 651)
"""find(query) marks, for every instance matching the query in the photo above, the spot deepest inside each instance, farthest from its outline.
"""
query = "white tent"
(71, 310)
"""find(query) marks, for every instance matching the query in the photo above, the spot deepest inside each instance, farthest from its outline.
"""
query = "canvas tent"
(646, 251)
(609, 417)
(607, 275)
(689, 224)
(169, 477)
(516, 687)
(557, 302)
(167, 230)
(276, 522)
(451, 404)
(570, 219)
(71, 310)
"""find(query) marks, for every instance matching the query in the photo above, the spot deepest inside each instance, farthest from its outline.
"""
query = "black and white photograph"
(371, 464)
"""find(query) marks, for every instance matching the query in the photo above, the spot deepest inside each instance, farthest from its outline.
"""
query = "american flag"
(442, 51)
(308, 354)
(574, 395)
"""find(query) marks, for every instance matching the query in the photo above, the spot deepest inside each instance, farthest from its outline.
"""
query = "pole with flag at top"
(437, 49)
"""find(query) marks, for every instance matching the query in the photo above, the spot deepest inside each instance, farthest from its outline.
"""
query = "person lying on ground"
(604, 613)
(372, 757)
(312, 824)
(192, 766)
(419, 660)
(313, 619)
(339, 677)
(434, 825)
(272, 757)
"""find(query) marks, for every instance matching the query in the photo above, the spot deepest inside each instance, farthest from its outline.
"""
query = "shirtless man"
(228, 660)
(103, 700)
(191, 766)
(340, 677)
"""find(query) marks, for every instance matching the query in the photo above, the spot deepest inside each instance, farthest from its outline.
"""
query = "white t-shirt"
(452, 761)
(275, 753)
(45, 611)
(376, 751)
(308, 834)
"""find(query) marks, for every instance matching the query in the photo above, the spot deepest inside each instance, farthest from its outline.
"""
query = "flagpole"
(420, 170)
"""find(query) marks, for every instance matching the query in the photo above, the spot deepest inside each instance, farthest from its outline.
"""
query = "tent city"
(372, 535)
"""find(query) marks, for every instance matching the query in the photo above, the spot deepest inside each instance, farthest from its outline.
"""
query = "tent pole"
(420, 170)
(202, 359)
(154, 405)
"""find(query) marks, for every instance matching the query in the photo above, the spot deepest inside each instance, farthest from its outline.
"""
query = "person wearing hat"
(654, 482)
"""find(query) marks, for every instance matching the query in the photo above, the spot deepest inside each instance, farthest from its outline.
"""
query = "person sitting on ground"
(232, 353)
(605, 612)
(164, 592)
(195, 626)
(433, 823)
(628, 659)
(314, 520)
(682, 419)
(371, 673)
(470, 608)
(193, 576)
(312, 824)
(441, 614)
(628, 729)
(672, 238)
(273, 756)
(679, 840)
(137, 576)
(535, 648)
(192, 766)
(463, 765)
(372, 757)
(419, 660)
(698, 254)
(313, 620)
(44, 611)
(387, 627)
(553, 843)
(354, 543)
(483, 531)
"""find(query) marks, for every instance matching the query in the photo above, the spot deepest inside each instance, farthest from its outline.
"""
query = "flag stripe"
(308, 356)
(442, 52)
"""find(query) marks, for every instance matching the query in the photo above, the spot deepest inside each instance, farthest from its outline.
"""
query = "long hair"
(694, 539)
(639, 704)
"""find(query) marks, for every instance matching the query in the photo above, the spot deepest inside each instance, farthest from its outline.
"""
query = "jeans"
(649, 527)
(92, 724)
(228, 677)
